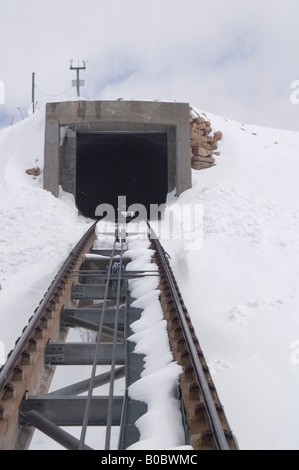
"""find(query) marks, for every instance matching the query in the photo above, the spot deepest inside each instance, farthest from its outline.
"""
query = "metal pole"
(21, 113)
(78, 83)
(33, 92)
(78, 75)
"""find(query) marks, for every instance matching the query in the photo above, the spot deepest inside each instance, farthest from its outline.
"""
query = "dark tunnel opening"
(134, 165)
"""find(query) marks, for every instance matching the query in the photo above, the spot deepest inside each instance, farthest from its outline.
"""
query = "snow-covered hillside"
(37, 230)
(241, 287)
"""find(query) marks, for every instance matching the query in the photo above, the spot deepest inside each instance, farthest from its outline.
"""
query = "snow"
(240, 287)
(160, 427)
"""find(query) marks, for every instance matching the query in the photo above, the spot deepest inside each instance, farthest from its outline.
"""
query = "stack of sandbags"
(203, 142)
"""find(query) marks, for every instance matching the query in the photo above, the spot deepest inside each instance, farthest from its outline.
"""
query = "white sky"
(229, 57)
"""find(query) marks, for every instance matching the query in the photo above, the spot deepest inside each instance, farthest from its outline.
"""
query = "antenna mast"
(77, 83)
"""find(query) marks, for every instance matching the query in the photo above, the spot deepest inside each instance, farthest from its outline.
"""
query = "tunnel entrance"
(110, 164)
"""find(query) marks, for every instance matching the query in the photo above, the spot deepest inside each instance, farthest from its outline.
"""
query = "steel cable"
(115, 338)
(93, 373)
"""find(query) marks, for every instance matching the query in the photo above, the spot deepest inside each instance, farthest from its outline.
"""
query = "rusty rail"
(59, 281)
(208, 426)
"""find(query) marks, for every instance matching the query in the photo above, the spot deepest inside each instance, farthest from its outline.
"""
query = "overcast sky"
(235, 58)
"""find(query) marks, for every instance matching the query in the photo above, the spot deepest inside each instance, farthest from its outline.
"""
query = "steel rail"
(13, 359)
(216, 425)
(113, 365)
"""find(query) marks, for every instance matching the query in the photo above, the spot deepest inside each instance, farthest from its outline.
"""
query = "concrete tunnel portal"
(100, 150)
(112, 164)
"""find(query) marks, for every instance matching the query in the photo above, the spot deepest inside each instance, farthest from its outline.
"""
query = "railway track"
(90, 292)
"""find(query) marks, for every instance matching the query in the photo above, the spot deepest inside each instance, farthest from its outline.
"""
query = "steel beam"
(105, 252)
(69, 410)
(94, 315)
(83, 354)
(100, 275)
(88, 291)
(92, 292)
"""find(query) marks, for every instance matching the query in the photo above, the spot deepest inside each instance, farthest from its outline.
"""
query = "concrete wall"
(68, 118)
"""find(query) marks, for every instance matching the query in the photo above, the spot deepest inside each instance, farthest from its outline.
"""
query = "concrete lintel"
(76, 112)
